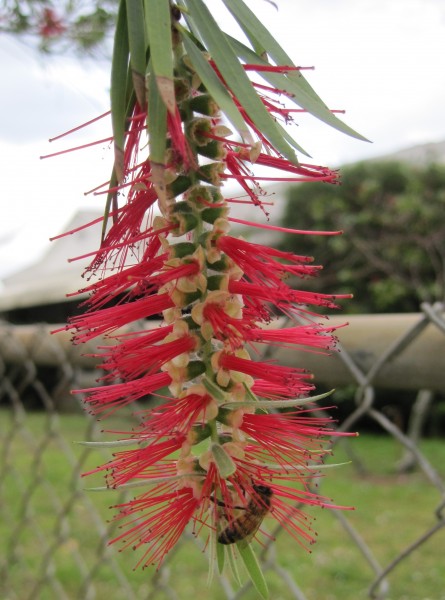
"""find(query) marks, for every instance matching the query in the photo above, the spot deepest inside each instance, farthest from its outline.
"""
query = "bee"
(244, 527)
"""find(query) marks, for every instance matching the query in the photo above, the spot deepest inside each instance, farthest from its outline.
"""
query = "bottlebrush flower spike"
(51, 25)
(214, 452)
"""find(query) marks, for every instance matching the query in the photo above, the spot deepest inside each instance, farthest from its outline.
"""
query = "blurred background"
(383, 63)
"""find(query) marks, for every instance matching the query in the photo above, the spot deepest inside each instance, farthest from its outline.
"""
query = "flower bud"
(204, 104)
(198, 433)
(178, 186)
(211, 173)
(182, 249)
(217, 282)
(214, 149)
(203, 196)
(209, 215)
(232, 418)
(182, 89)
(183, 217)
(223, 264)
(198, 131)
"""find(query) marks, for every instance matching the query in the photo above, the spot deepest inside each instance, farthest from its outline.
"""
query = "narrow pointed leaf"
(258, 34)
(215, 88)
(254, 570)
(235, 76)
(119, 70)
(189, 21)
(220, 556)
(233, 564)
(276, 403)
(315, 468)
(223, 461)
(110, 203)
(291, 83)
(161, 50)
(113, 443)
(212, 557)
(156, 122)
(138, 46)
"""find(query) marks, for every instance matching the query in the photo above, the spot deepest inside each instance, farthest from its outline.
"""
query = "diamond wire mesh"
(54, 533)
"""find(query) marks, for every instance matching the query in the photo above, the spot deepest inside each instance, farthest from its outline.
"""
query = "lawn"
(51, 548)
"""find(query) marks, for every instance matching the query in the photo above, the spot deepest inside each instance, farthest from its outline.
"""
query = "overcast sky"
(383, 61)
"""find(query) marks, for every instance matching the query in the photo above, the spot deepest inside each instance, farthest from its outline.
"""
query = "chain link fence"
(54, 533)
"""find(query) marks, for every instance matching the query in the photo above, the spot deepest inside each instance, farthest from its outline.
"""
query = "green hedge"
(392, 253)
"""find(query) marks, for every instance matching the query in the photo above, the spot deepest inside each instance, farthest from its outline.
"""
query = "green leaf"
(223, 461)
(156, 122)
(220, 556)
(233, 564)
(305, 95)
(119, 70)
(138, 46)
(110, 204)
(215, 88)
(235, 76)
(161, 50)
(254, 569)
(281, 85)
(188, 20)
(315, 468)
(275, 403)
(112, 443)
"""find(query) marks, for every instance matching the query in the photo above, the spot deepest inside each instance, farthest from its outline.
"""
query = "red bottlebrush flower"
(50, 24)
(134, 131)
(287, 337)
(131, 359)
(135, 464)
(290, 376)
(292, 438)
(157, 520)
(213, 451)
(109, 398)
(180, 156)
(195, 406)
(225, 327)
(274, 391)
(257, 299)
(93, 324)
(130, 227)
(259, 263)
(221, 317)
(243, 175)
(241, 155)
(125, 285)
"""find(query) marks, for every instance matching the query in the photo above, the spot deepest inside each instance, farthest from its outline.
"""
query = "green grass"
(37, 486)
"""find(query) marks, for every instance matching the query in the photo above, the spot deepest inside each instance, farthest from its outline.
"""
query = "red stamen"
(82, 147)
(91, 325)
(282, 229)
(61, 135)
(113, 397)
(275, 68)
